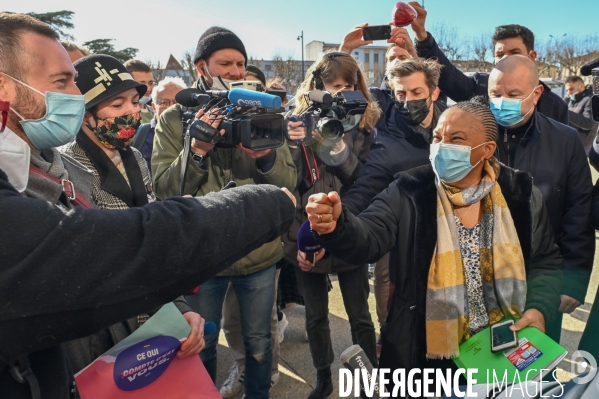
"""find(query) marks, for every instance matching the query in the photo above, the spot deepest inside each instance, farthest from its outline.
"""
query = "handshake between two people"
(323, 212)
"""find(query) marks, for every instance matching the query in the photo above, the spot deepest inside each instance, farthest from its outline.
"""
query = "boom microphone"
(191, 98)
(321, 97)
(587, 69)
(354, 358)
(306, 242)
(218, 93)
(250, 98)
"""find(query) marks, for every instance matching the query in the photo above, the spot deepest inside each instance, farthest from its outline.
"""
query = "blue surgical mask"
(451, 162)
(573, 96)
(60, 125)
(508, 111)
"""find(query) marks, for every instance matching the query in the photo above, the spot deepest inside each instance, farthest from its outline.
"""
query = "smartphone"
(502, 337)
(379, 32)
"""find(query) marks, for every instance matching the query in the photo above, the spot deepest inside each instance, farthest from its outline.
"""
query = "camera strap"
(310, 164)
(184, 164)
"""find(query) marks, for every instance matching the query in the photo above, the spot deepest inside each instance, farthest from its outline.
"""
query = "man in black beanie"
(221, 58)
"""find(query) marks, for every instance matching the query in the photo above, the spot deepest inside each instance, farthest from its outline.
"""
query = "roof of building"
(172, 63)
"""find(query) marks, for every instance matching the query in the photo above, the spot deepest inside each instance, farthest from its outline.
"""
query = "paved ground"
(298, 376)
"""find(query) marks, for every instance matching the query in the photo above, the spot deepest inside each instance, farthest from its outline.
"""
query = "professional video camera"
(326, 112)
(592, 68)
(249, 117)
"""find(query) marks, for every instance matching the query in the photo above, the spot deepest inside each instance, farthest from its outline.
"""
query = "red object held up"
(403, 14)
(4, 107)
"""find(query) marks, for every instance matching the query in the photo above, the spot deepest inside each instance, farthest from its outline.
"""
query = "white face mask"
(14, 159)
(219, 83)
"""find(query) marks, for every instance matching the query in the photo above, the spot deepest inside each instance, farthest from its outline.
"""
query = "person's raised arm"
(453, 83)
(354, 39)
(67, 274)
(356, 239)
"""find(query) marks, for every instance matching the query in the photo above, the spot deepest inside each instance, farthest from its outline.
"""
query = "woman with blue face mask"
(121, 178)
(464, 224)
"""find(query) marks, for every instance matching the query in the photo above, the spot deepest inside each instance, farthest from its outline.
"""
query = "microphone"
(249, 98)
(354, 358)
(191, 98)
(209, 328)
(218, 93)
(587, 68)
(321, 97)
(306, 242)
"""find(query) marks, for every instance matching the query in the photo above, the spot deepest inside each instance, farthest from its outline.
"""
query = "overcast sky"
(160, 27)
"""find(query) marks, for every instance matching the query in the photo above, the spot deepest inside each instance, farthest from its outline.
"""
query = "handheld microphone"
(306, 242)
(587, 68)
(249, 98)
(209, 328)
(191, 98)
(354, 358)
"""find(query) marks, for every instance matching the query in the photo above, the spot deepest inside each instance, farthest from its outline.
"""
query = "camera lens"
(330, 128)
(259, 132)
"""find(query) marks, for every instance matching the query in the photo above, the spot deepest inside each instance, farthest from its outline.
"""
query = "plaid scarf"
(501, 264)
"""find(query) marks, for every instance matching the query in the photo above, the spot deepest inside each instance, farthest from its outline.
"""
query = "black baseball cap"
(101, 77)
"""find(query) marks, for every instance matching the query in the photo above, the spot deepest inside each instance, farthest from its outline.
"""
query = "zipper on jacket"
(413, 299)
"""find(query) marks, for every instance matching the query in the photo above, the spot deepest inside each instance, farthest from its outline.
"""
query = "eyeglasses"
(165, 103)
(149, 83)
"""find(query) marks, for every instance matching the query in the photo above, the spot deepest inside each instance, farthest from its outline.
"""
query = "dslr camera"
(327, 113)
(249, 117)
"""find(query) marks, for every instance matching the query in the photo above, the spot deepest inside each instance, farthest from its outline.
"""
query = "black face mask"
(413, 111)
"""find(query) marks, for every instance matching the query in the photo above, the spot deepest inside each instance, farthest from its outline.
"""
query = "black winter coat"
(403, 217)
(65, 275)
(460, 87)
(553, 154)
(397, 148)
(339, 178)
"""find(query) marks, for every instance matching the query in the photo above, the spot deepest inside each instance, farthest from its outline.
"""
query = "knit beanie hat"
(217, 38)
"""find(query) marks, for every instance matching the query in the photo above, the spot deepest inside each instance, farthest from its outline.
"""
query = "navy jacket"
(553, 154)
(460, 87)
(594, 160)
(396, 148)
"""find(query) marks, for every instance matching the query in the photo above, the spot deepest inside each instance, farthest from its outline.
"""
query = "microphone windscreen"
(209, 328)
(587, 69)
(350, 353)
(321, 97)
(249, 98)
(185, 97)
(305, 240)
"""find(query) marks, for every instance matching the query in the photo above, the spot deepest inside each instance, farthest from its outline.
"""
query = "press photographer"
(330, 133)
(220, 59)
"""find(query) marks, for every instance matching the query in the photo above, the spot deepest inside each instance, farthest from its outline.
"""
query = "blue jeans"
(255, 293)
